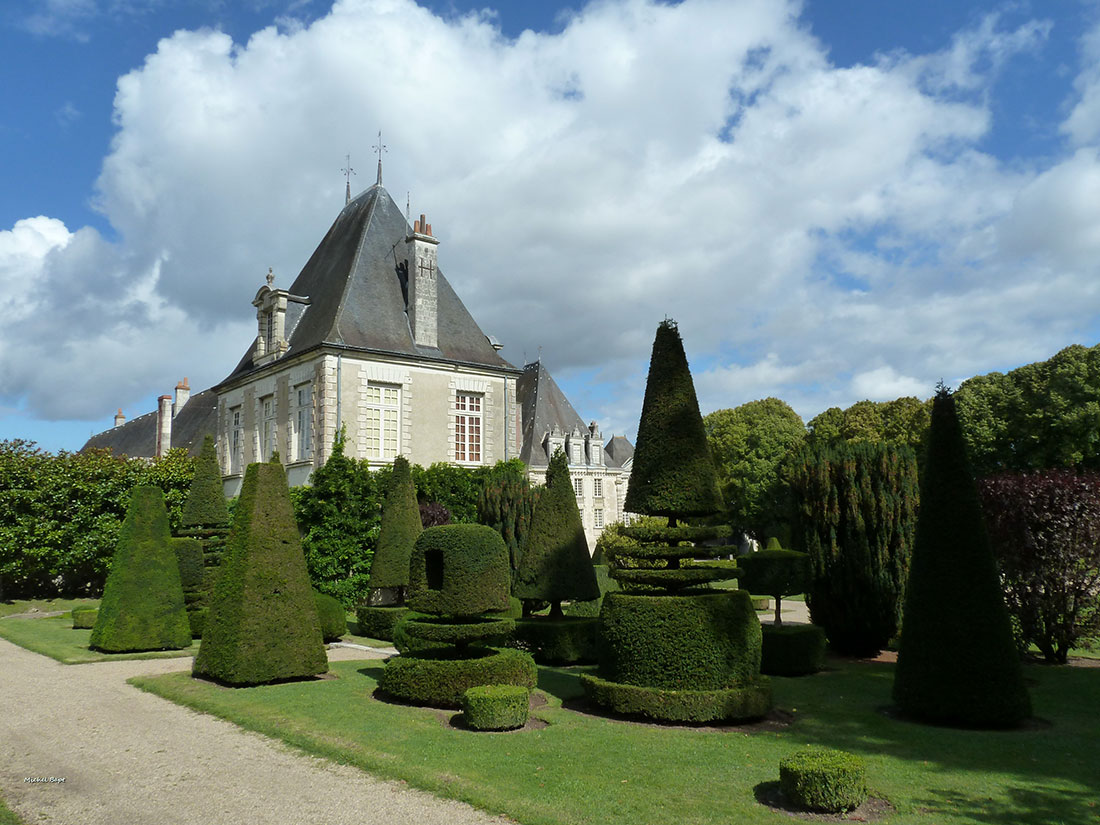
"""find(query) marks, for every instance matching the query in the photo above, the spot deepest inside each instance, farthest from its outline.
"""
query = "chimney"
(421, 250)
(120, 419)
(183, 392)
(164, 425)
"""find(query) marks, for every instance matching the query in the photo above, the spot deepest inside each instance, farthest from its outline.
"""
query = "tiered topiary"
(263, 625)
(823, 780)
(496, 707)
(206, 520)
(458, 573)
(672, 651)
(142, 606)
(957, 661)
(334, 621)
(555, 566)
(788, 650)
(389, 571)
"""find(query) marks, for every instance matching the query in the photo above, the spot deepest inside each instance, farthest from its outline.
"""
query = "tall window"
(383, 416)
(578, 455)
(597, 519)
(597, 488)
(235, 445)
(267, 432)
(303, 423)
(467, 427)
(578, 486)
(269, 330)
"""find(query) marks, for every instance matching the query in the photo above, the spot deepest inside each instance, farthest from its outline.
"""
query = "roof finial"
(270, 276)
(379, 148)
(348, 172)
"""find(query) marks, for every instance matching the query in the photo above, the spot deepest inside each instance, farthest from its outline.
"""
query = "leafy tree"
(957, 661)
(398, 533)
(825, 427)
(749, 444)
(862, 422)
(506, 503)
(855, 512)
(456, 488)
(1045, 532)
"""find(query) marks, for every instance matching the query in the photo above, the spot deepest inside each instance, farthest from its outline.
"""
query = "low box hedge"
(792, 649)
(496, 707)
(822, 779)
(439, 678)
(84, 617)
(379, 622)
(750, 701)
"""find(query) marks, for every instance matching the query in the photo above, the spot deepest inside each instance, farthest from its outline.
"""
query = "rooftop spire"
(348, 172)
(380, 147)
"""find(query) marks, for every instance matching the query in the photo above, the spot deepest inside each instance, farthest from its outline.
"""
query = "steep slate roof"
(358, 298)
(138, 436)
(619, 451)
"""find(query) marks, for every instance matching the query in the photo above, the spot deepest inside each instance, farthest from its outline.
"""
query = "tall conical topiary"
(205, 520)
(673, 472)
(263, 624)
(398, 533)
(957, 661)
(205, 505)
(142, 606)
(555, 565)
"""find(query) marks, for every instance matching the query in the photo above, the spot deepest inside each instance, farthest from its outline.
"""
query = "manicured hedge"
(438, 679)
(459, 570)
(84, 617)
(450, 631)
(705, 641)
(591, 608)
(496, 707)
(568, 641)
(197, 620)
(821, 779)
(676, 578)
(792, 649)
(205, 505)
(189, 559)
(750, 701)
(379, 622)
(776, 572)
(334, 621)
(399, 530)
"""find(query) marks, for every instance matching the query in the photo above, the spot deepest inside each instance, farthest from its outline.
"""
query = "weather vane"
(380, 147)
(348, 172)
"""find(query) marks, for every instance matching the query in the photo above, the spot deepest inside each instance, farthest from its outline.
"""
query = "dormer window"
(271, 312)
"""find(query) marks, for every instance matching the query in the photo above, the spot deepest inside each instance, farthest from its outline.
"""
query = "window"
(267, 433)
(467, 427)
(235, 457)
(597, 488)
(578, 456)
(595, 457)
(578, 486)
(303, 423)
(597, 519)
(383, 418)
(269, 330)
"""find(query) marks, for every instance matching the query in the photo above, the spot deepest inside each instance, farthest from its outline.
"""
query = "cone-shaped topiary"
(398, 533)
(673, 473)
(205, 505)
(263, 624)
(957, 661)
(555, 564)
(142, 606)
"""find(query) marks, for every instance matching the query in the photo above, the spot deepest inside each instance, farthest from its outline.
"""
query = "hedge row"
(496, 707)
(750, 701)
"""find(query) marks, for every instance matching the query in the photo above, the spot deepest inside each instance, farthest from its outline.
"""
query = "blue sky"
(835, 200)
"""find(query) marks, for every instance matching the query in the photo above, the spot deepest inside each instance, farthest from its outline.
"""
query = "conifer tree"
(506, 503)
(142, 606)
(555, 564)
(957, 663)
(401, 526)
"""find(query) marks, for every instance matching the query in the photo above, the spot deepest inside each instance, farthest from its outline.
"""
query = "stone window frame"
(269, 428)
(469, 427)
(303, 422)
(382, 408)
(236, 440)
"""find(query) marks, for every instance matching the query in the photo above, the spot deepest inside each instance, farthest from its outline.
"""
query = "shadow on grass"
(1031, 805)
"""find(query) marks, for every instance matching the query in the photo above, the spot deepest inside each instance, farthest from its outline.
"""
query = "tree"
(957, 661)
(777, 573)
(825, 428)
(205, 503)
(855, 512)
(555, 565)
(749, 444)
(400, 528)
(1045, 532)
(506, 504)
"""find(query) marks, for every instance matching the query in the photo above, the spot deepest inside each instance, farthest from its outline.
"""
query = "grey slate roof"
(618, 451)
(137, 438)
(357, 297)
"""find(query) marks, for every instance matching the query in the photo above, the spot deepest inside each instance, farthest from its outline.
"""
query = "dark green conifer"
(205, 520)
(506, 503)
(397, 535)
(555, 565)
(263, 624)
(142, 606)
(957, 662)
(673, 473)
(205, 505)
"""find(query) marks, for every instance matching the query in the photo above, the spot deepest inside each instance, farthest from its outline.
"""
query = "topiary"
(379, 622)
(459, 570)
(957, 660)
(792, 649)
(821, 779)
(438, 678)
(263, 624)
(334, 621)
(205, 521)
(775, 572)
(571, 640)
(591, 608)
(205, 505)
(398, 533)
(496, 707)
(555, 564)
(142, 606)
(84, 617)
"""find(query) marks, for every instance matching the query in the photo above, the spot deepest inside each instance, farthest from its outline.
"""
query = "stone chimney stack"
(183, 392)
(423, 299)
(164, 425)
(120, 419)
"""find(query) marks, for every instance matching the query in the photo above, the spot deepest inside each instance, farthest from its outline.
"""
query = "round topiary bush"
(792, 649)
(439, 678)
(820, 779)
(379, 622)
(84, 617)
(570, 641)
(334, 621)
(496, 707)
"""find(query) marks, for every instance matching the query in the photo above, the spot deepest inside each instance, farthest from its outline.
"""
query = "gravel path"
(130, 758)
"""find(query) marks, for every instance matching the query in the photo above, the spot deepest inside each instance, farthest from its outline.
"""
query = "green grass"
(586, 769)
(44, 605)
(56, 638)
(8, 816)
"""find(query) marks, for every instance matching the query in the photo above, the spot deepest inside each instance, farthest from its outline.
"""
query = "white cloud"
(885, 384)
(841, 230)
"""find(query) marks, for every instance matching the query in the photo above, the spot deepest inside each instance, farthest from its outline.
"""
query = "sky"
(834, 200)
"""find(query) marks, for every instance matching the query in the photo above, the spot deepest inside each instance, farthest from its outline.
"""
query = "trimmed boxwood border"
(84, 617)
(823, 779)
(379, 622)
(495, 707)
(438, 678)
(751, 701)
(451, 630)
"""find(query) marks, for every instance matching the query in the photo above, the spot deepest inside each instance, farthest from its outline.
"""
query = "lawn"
(44, 605)
(56, 638)
(589, 769)
(8, 816)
